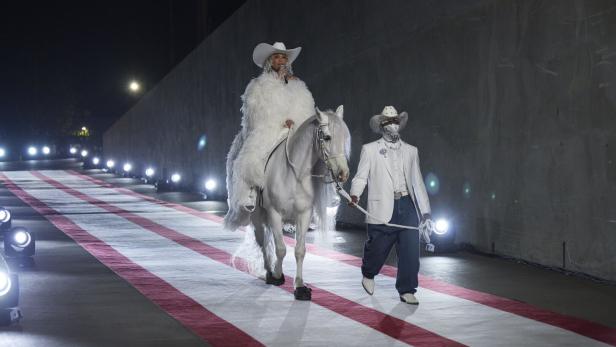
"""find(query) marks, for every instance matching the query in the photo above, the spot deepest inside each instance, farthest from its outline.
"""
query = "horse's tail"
(235, 216)
(325, 204)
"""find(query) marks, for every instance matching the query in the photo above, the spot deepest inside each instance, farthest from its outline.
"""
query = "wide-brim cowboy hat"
(264, 50)
(389, 113)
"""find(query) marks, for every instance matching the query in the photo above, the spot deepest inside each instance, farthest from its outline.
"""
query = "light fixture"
(84, 153)
(134, 86)
(32, 151)
(127, 167)
(46, 150)
(441, 226)
(2, 152)
(110, 163)
(5, 219)
(96, 160)
(176, 178)
(73, 150)
(210, 185)
(19, 242)
(9, 295)
(149, 172)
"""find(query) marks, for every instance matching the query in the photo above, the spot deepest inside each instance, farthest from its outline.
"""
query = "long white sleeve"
(361, 177)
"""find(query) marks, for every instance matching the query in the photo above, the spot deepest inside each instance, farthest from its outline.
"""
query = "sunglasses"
(390, 121)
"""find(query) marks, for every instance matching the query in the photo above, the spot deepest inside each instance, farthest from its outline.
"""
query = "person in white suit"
(396, 195)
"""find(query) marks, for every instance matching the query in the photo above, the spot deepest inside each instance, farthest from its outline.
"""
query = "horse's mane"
(325, 194)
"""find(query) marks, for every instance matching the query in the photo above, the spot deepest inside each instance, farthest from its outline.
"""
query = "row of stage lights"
(19, 248)
(171, 182)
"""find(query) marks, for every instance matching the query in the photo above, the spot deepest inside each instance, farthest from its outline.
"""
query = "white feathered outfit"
(266, 104)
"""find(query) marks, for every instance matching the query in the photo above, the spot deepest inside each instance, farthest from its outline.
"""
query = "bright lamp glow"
(21, 238)
(5, 282)
(175, 178)
(2, 152)
(134, 86)
(442, 226)
(32, 150)
(5, 216)
(84, 153)
(110, 164)
(46, 150)
(73, 150)
(210, 184)
(149, 172)
(95, 160)
(127, 167)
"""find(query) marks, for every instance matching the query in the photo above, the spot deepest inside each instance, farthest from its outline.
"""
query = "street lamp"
(134, 86)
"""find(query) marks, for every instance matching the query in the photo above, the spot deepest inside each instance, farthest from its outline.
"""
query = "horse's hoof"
(270, 279)
(303, 293)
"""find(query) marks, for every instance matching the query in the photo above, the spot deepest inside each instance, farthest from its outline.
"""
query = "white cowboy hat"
(389, 113)
(264, 50)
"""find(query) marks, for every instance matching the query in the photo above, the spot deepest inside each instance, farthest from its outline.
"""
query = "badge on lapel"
(383, 152)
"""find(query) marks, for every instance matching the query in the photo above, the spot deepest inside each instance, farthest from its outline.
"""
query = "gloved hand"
(426, 228)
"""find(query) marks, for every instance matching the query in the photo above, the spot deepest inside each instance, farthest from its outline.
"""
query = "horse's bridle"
(324, 135)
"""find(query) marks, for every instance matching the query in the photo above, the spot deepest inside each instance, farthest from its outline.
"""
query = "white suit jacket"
(374, 169)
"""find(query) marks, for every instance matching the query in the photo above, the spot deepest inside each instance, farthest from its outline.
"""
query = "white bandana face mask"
(390, 132)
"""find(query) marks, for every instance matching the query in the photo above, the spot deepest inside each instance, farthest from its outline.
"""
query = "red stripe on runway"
(391, 326)
(580, 326)
(187, 311)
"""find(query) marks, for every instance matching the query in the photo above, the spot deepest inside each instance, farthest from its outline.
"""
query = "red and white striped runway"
(180, 259)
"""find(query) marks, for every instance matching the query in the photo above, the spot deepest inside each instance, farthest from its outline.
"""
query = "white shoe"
(409, 298)
(368, 284)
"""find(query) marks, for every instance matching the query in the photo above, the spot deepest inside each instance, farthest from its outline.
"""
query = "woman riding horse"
(271, 105)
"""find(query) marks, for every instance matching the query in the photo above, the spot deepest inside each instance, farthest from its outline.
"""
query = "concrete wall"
(512, 105)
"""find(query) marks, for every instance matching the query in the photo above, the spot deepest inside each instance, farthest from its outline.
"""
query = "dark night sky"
(64, 63)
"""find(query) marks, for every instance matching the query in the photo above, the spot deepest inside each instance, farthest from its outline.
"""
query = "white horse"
(293, 189)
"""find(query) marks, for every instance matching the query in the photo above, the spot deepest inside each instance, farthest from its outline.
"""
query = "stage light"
(110, 164)
(210, 184)
(84, 153)
(5, 219)
(127, 167)
(5, 215)
(441, 226)
(73, 150)
(134, 86)
(96, 160)
(176, 178)
(18, 242)
(5, 282)
(2, 152)
(46, 150)
(149, 172)
(32, 151)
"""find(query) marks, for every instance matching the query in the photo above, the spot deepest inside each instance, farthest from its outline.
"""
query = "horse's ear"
(340, 111)
(319, 114)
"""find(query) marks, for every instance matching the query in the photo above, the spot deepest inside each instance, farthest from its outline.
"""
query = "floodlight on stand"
(5, 219)
(32, 151)
(46, 150)
(19, 242)
(9, 295)
(84, 153)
